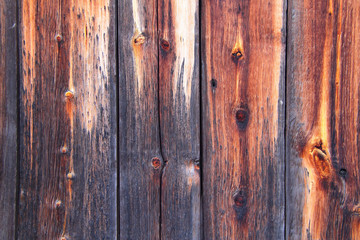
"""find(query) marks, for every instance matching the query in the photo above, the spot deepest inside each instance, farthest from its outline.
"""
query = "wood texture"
(323, 120)
(179, 118)
(68, 120)
(243, 61)
(140, 156)
(8, 118)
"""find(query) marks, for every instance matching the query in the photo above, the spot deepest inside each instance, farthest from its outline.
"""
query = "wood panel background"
(179, 119)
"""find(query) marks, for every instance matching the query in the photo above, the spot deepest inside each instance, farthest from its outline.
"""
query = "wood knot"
(213, 83)
(342, 172)
(242, 117)
(165, 45)
(69, 95)
(321, 159)
(140, 39)
(240, 200)
(155, 162)
(236, 54)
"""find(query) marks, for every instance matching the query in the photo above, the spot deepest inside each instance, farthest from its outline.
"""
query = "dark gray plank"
(8, 118)
(139, 156)
(180, 118)
(68, 120)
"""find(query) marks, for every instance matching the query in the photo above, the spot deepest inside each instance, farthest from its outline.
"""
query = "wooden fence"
(179, 119)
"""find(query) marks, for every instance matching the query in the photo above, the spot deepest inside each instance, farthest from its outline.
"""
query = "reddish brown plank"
(68, 121)
(8, 118)
(323, 120)
(140, 156)
(179, 118)
(243, 53)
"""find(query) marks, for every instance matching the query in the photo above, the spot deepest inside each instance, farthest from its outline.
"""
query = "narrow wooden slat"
(179, 118)
(323, 120)
(68, 120)
(8, 118)
(139, 139)
(243, 59)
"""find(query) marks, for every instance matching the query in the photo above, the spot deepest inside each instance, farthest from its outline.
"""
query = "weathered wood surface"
(243, 76)
(323, 90)
(8, 118)
(139, 137)
(68, 120)
(179, 118)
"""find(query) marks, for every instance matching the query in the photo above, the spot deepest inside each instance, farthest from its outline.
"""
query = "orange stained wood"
(322, 107)
(243, 57)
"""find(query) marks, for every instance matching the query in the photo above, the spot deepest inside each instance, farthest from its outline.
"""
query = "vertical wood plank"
(68, 120)
(243, 60)
(8, 118)
(179, 118)
(323, 120)
(140, 156)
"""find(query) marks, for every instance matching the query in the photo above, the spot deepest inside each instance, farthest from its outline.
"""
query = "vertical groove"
(17, 191)
(117, 120)
(158, 107)
(286, 116)
(201, 127)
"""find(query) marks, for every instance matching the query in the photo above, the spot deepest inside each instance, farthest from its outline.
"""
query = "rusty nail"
(63, 149)
(165, 45)
(70, 175)
(156, 162)
(58, 203)
(140, 39)
(58, 37)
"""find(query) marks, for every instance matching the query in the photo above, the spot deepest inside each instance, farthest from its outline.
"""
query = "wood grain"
(179, 118)
(140, 156)
(243, 62)
(68, 120)
(8, 118)
(323, 120)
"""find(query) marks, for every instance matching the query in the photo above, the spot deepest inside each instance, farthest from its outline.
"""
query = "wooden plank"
(243, 59)
(8, 118)
(68, 120)
(139, 138)
(323, 120)
(179, 118)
